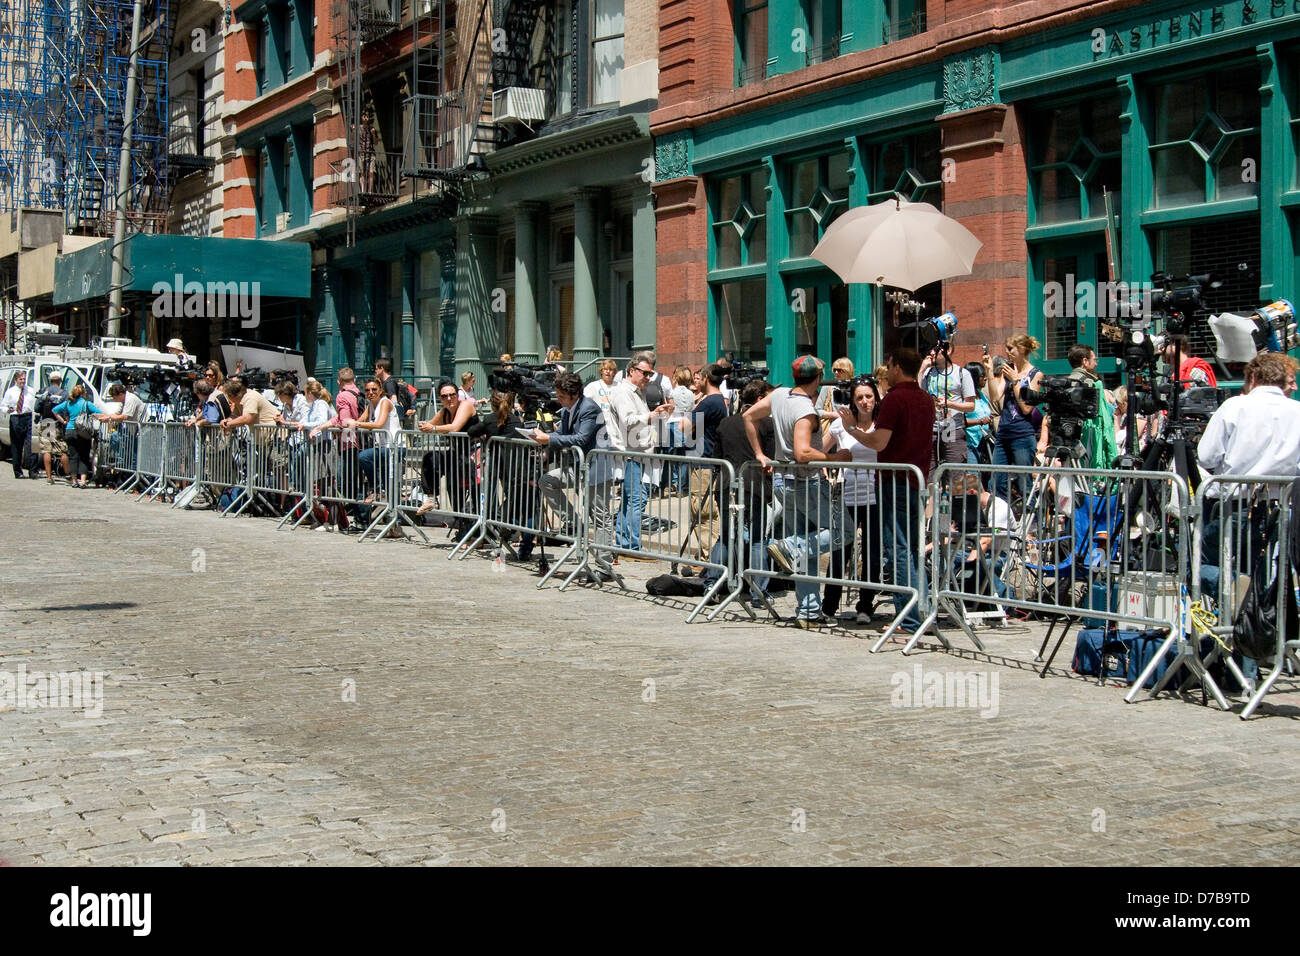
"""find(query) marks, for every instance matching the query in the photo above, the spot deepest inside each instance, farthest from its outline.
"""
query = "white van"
(95, 369)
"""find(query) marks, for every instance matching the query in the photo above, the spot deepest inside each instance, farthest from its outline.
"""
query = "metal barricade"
(116, 451)
(434, 473)
(180, 460)
(224, 464)
(538, 493)
(863, 520)
(151, 454)
(280, 480)
(626, 520)
(338, 482)
(1232, 545)
(1076, 544)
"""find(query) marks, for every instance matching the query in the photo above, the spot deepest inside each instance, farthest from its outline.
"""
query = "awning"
(282, 269)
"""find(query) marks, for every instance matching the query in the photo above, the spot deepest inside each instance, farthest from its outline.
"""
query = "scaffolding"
(63, 68)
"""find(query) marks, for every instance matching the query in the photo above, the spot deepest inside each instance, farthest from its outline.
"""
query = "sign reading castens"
(1190, 25)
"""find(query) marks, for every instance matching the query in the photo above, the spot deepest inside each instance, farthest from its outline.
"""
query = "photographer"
(953, 391)
(1016, 441)
(251, 406)
(132, 407)
(1100, 447)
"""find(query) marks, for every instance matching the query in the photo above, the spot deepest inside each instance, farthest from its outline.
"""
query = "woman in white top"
(860, 506)
(599, 390)
(679, 425)
(381, 419)
(318, 405)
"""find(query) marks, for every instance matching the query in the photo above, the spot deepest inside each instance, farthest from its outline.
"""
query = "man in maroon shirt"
(903, 433)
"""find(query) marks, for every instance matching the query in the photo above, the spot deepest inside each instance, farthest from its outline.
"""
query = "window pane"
(1060, 130)
(1102, 124)
(1058, 196)
(728, 251)
(1238, 171)
(1178, 107)
(837, 174)
(803, 182)
(758, 242)
(607, 61)
(758, 191)
(1236, 97)
(803, 234)
(1109, 174)
(1180, 176)
(805, 324)
(742, 320)
(728, 198)
(893, 160)
(1059, 324)
(754, 50)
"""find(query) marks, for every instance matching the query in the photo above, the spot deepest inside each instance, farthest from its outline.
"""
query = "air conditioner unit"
(518, 104)
(281, 221)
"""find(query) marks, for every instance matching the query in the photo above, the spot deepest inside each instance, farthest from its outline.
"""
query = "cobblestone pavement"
(494, 723)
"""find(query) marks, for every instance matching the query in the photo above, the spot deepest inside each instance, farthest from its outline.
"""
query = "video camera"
(259, 380)
(534, 388)
(842, 392)
(1069, 403)
(741, 374)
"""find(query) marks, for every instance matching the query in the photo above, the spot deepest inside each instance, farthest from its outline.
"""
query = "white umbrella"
(902, 244)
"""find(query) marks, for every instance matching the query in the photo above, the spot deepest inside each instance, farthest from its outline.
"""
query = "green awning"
(281, 269)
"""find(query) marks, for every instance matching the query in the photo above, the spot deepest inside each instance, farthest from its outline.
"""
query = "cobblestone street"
(298, 698)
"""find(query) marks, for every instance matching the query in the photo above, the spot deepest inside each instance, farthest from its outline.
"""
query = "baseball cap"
(806, 366)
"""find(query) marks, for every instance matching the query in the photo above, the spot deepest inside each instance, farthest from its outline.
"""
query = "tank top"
(392, 425)
(1012, 421)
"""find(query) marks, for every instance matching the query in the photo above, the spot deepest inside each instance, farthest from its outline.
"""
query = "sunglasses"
(445, 395)
(643, 371)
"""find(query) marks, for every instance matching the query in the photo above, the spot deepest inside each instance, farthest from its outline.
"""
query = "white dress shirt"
(630, 417)
(1253, 434)
(10, 401)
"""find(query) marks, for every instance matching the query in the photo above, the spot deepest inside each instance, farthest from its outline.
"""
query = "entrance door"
(1069, 291)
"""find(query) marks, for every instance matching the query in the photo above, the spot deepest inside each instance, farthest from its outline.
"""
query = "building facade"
(1026, 123)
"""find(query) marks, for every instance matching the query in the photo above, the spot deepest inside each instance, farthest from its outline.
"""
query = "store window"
(1227, 248)
(751, 41)
(1075, 159)
(740, 220)
(1205, 146)
(817, 192)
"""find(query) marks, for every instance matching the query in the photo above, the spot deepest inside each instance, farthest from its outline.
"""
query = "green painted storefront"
(1187, 113)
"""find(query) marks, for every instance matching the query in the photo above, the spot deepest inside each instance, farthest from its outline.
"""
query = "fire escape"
(450, 117)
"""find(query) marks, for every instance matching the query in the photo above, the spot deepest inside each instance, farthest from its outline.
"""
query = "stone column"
(528, 337)
(476, 325)
(644, 305)
(407, 372)
(586, 322)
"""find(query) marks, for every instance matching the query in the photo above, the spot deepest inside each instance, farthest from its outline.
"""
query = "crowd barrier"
(1232, 545)
(530, 491)
(115, 451)
(1087, 546)
(629, 519)
(1078, 546)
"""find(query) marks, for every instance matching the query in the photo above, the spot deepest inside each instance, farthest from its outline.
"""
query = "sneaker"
(811, 623)
(862, 618)
(781, 558)
(322, 527)
(846, 615)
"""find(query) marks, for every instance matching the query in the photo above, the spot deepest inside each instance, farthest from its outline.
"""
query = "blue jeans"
(900, 506)
(627, 532)
(813, 524)
(1007, 450)
(372, 460)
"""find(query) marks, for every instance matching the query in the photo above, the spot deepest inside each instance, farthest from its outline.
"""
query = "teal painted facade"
(1192, 112)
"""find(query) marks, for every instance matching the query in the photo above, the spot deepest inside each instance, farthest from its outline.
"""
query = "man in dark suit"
(581, 426)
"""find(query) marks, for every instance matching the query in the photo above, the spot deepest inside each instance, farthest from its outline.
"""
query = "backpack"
(46, 401)
(1255, 631)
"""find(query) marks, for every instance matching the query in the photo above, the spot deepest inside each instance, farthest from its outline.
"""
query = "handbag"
(84, 426)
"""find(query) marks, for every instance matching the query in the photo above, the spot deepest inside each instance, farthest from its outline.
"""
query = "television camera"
(533, 386)
(1069, 403)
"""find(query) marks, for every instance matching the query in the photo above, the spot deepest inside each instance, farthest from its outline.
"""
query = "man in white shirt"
(632, 429)
(1254, 433)
(1258, 431)
(133, 407)
(19, 402)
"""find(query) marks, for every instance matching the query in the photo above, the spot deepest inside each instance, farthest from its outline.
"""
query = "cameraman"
(132, 406)
(1098, 438)
(953, 391)
(1192, 371)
